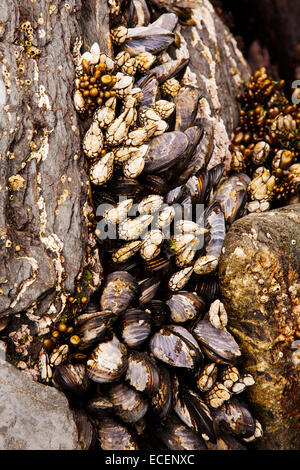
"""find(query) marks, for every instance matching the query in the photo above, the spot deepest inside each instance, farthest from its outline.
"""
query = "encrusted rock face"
(218, 68)
(33, 416)
(260, 283)
(43, 185)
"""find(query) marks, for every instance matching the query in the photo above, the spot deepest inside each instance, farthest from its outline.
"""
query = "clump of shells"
(150, 361)
(266, 143)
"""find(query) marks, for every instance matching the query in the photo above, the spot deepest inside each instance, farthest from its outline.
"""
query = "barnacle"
(268, 134)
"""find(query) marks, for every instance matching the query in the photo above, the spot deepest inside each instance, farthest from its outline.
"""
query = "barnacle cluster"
(28, 35)
(266, 144)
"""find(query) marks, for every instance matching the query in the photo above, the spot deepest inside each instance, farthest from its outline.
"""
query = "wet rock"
(43, 185)
(260, 283)
(33, 416)
(217, 68)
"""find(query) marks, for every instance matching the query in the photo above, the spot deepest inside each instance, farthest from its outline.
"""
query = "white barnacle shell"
(79, 102)
(151, 244)
(131, 229)
(106, 114)
(164, 108)
(126, 251)
(117, 214)
(117, 131)
(134, 166)
(121, 58)
(123, 85)
(93, 140)
(217, 314)
(101, 171)
(150, 204)
(206, 264)
(165, 216)
(109, 63)
(260, 152)
(179, 279)
(141, 135)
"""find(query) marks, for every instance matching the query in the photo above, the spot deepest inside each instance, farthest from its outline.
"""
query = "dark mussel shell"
(155, 184)
(175, 346)
(194, 135)
(108, 361)
(99, 406)
(218, 341)
(164, 151)
(231, 195)
(192, 410)
(93, 327)
(142, 373)
(148, 288)
(129, 405)
(186, 102)
(216, 174)
(115, 436)
(215, 222)
(149, 87)
(233, 417)
(122, 186)
(208, 288)
(72, 379)
(119, 291)
(202, 154)
(147, 39)
(198, 187)
(185, 306)
(162, 400)
(138, 14)
(177, 436)
(167, 21)
(136, 327)
(169, 70)
(160, 312)
(156, 265)
(87, 435)
(175, 195)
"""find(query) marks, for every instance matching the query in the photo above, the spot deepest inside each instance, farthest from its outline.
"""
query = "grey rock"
(43, 184)
(33, 416)
(260, 283)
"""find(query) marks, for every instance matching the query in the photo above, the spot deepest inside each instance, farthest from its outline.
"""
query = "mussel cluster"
(155, 365)
(266, 143)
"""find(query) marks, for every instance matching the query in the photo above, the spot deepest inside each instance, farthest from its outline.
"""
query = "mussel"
(185, 306)
(119, 291)
(218, 344)
(108, 361)
(175, 346)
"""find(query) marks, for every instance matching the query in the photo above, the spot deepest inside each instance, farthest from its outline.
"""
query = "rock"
(43, 184)
(217, 68)
(260, 284)
(33, 416)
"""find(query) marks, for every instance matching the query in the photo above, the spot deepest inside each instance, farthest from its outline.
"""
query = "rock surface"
(33, 416)
(217, 67)
(43, 185)
(260, 284)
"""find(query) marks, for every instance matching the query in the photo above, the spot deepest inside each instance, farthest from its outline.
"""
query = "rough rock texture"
(260, 284)
(43, 185)
(33, 416)
(218, 68)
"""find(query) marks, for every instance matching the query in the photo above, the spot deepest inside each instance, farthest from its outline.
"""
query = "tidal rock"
(33, 416)
(216, 67)
(43, 184)
(260, 284)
